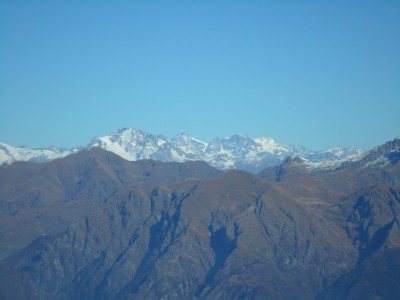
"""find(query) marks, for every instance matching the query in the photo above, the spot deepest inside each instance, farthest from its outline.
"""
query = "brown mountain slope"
(45, 198)
(377, 277)
(235, 244)
(231, 236)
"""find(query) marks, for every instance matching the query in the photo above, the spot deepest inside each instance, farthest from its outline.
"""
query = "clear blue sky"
(316, 73)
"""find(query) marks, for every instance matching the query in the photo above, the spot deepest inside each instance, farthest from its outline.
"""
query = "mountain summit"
(235, 152)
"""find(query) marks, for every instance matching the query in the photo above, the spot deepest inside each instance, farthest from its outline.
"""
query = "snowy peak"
(377, 157)
(186, 141)
(237, 151)
(131, 144)
(353, 158)
(10, 154)
(128, 135)
(182, 139)
(268, 145)
(239, 144)
(215, 146)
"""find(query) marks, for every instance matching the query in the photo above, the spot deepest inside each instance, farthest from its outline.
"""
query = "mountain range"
(235, 152)
(93, 225)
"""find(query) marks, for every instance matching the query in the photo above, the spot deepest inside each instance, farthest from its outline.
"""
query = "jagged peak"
(182, 138)
(128, 132)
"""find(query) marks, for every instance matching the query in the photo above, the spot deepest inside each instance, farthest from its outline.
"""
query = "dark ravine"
(94, 226)
(223, 248)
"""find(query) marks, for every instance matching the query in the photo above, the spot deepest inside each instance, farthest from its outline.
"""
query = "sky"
(320, 74)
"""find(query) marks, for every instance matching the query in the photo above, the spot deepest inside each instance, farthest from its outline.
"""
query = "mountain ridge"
(235, 152)
(93, 225)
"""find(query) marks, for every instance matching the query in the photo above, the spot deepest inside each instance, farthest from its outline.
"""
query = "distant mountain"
(93, 225)
(10, 154)
(236, 152)
(382, 155)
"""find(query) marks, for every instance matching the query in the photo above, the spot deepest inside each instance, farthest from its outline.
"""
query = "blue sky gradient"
(317, 73)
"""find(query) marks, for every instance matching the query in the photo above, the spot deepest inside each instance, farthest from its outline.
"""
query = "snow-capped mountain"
(237, 151)
(379, 156)
(131, 144)
(10, 154)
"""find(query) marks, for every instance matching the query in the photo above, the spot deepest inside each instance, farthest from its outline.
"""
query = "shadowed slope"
(45, 198)
(233, 235)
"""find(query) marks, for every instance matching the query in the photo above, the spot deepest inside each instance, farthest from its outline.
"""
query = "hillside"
(95, 226)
